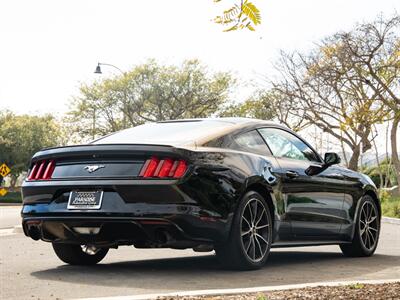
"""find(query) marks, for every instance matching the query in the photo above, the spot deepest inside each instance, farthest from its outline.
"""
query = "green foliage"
(244, 15)
(11, 197)
(391, 207)
(249, 109)
(386, 169)
(149, 92)
(357, 286)
(267, 105)
(261, 297)
(23, 135)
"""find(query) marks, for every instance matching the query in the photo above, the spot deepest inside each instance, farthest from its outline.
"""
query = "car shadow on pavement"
(204, 272)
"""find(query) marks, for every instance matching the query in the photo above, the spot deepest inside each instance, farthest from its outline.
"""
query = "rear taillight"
(163, 168)
(42, 170)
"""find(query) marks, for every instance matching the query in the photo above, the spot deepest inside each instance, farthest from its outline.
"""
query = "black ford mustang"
(237, 186)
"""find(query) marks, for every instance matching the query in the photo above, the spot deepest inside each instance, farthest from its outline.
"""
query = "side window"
(250, 141)
(285, 144)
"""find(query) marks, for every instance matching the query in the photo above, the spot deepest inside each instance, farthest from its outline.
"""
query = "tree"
(373, 51)
(268, 105)
(23, 135)
(244, 15)
(149, 93)
(332, 92)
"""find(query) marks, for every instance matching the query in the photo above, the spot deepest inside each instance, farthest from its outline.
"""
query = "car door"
(314, 204)
(251, 141)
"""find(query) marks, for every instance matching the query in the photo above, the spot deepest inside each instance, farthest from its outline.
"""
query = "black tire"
(73, 254)
(365, 238)
(233, 253)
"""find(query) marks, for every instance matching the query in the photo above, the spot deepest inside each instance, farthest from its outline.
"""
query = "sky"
(49, 47)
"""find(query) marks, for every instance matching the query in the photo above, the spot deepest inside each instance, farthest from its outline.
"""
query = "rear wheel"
(79, 255)
(251, 235)
(366, 232)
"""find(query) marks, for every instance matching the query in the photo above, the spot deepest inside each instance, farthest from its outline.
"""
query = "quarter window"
(285, 144)
(250, 141)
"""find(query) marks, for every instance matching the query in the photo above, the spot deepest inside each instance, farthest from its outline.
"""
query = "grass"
(11, 197)
(391, 207)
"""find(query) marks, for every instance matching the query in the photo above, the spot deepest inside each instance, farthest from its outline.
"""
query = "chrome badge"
(93, 168)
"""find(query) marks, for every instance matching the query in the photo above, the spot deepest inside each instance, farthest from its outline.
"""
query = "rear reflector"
(42, 170)
(163, 168)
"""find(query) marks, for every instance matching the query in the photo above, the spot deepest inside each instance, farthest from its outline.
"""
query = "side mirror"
(331, 158)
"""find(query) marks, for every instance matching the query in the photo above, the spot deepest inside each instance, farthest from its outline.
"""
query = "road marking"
(218, 292)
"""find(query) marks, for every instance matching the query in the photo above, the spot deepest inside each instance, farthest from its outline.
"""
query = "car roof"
(232, 120)
(193, 134)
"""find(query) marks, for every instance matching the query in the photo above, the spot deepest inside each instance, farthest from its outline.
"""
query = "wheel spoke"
(251, 214)
(259, 247)
(248, 223)
(248, 246)
(262, 238)
(262, 226)
(372, 237)
(254, 206)
(253, 247)
(246, 232)
(260, 217)
(372, 219)
(362, 231)
(364, 238)
(368, 241)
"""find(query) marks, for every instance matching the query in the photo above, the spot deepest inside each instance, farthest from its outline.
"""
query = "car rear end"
(121, 194)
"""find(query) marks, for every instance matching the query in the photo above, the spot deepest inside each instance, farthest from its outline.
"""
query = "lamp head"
(98, 69)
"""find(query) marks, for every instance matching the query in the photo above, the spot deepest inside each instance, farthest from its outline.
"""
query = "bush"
(11, 197)
(391, 207)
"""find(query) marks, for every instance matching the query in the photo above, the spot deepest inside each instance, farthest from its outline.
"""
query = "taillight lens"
(163, 168)
(42, 170)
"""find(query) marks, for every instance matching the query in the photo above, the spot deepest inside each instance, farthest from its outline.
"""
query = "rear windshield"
(165, 133)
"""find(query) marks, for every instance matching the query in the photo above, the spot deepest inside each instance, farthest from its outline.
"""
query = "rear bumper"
(165, 217)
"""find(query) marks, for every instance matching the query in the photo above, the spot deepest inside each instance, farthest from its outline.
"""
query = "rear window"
(165, 133)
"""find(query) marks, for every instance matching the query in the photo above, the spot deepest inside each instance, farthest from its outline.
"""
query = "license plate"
(85, 200)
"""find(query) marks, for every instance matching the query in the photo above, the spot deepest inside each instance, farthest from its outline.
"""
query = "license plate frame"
(89, 200)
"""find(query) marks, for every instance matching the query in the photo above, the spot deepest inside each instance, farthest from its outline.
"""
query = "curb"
(18, 229)
(17, 204)
(220, 292)
(391, 220)
(11, 230)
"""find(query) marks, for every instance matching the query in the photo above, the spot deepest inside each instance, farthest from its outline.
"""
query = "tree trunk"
(13, 182)
(355, 156)
(395, 155)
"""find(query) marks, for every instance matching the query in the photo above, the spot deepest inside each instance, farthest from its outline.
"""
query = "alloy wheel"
(254, 227)
(368, 225)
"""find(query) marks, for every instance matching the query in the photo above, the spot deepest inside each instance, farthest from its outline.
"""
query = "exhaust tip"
(34, 233)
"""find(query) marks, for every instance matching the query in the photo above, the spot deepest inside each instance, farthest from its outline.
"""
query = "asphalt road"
(30, 270)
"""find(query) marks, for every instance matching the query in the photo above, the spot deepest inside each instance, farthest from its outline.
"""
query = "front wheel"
(366, 233)
(79, 255)
(251, 235)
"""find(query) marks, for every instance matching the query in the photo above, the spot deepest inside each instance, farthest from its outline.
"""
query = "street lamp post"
(98, 68)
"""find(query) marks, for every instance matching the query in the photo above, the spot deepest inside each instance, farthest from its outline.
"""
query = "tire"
(366, 237)
(248, 245)
(74, 255)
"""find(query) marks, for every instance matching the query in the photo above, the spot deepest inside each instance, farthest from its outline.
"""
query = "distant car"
(234, 185)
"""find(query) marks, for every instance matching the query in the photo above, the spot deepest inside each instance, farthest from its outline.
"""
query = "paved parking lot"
(30, 270)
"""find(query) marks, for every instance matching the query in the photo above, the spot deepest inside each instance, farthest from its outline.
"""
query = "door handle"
(292, 174)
